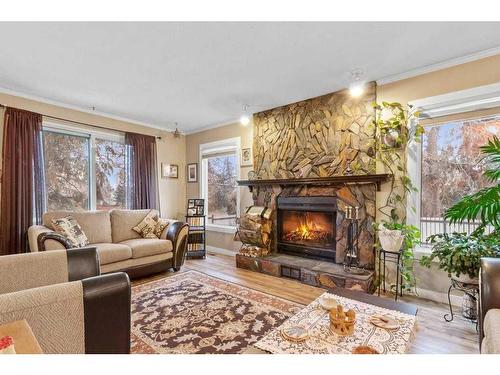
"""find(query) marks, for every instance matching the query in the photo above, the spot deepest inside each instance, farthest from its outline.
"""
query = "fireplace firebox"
(306, 226)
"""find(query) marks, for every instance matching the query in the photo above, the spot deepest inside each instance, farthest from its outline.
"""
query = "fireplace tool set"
(351, 257)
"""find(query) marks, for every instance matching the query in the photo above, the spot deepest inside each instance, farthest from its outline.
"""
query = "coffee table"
(24, 339)
(321, 340)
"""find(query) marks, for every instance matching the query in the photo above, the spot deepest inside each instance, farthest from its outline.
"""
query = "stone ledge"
(312, 272)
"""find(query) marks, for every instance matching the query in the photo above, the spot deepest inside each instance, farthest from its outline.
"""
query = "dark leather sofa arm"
(177, 232)
(489, 290)
(42, 237)
(106, 303)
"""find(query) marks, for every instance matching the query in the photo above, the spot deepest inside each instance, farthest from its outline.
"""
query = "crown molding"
(4, 90)
(215, 126)
(439, 66)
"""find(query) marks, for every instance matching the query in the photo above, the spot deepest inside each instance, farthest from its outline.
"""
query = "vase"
(391, 240)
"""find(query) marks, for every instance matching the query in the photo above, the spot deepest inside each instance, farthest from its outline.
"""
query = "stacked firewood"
(255, 231)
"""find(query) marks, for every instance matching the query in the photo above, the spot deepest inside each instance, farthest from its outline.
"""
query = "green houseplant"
(458, 253)
(395, 130)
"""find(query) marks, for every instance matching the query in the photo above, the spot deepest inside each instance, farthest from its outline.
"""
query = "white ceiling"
(201, 74)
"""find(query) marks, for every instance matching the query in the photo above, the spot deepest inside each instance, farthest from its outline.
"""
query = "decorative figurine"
(342, 323)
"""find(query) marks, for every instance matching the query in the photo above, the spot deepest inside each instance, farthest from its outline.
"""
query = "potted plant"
(459, 254)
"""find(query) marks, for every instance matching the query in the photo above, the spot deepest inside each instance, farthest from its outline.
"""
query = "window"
(67, 171)
(109, 174)
(83, 170)
(451, 168)
(219, 175)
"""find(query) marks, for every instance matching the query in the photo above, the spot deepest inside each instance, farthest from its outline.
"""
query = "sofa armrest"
(87, 316)
(31, 270)
(58, 238)
(106, 300)
(35, 231)
(177, 232)
(489, 290)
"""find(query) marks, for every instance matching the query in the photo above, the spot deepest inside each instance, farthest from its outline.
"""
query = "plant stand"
(471, 292)
(391, 257)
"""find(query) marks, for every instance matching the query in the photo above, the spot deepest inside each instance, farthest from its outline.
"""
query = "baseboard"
(219, 250)
(456, 300)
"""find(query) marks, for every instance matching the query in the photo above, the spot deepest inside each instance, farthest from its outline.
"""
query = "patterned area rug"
(192, 312)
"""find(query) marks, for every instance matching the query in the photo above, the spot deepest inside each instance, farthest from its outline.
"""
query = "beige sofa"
(119, 247)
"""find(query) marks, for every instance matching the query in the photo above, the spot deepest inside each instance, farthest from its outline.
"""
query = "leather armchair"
(70, 307)
(489, 295)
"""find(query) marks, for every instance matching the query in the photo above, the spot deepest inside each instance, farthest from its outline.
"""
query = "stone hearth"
(322, 274)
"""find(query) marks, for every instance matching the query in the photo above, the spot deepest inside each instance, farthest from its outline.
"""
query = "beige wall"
(170, 150)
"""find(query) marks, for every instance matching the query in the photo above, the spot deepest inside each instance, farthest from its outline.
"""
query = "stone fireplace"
(306, 226)
(312, 160)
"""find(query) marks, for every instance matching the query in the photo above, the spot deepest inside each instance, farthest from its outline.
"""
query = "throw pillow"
(69, 228)
(161, 224)
(146, 228)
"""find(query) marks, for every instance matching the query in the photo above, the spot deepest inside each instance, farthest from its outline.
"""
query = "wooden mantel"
(334, 180)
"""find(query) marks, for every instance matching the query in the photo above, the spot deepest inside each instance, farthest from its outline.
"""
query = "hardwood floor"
(434, 336)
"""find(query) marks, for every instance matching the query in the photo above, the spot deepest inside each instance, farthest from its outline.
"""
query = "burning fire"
(307, 231)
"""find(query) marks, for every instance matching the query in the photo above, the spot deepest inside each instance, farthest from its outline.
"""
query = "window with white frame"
(83, 169)
(451, 167)
(219, 188)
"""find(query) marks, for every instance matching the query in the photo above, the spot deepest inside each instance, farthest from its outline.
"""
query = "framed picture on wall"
(192, 172)
(169, 170)
(246, 157)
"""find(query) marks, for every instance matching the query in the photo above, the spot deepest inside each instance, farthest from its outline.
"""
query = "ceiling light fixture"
(357, 87)
(176, 133)
(244, 119)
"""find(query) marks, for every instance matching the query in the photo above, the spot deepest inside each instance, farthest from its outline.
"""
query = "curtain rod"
(73, 121)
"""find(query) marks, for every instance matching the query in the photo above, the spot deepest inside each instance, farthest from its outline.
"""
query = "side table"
(469, 289)
(385, 256)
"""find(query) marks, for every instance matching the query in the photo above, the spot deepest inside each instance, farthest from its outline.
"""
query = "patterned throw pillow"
(69, 228)
(146, 228)
(161, 224)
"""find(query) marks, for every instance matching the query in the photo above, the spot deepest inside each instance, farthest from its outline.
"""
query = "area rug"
(192, 312)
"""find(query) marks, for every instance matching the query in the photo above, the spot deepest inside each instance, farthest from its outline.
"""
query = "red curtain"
(142, 180)
(22, 196)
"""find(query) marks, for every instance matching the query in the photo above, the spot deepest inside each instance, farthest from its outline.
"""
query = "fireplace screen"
(308, 228)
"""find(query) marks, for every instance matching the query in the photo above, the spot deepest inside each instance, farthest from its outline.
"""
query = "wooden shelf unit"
(197, 246)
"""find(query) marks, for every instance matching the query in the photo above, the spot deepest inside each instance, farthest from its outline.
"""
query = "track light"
(357, 87)
(244, 119)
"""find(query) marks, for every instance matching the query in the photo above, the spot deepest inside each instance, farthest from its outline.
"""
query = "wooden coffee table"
(321, 340)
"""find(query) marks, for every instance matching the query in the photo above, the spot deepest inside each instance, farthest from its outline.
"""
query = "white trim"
(476, 98)
(218, 125)
(441, 297)
(219, 250)
(220, 228)
(40, 99)
(228, 144)
(439, 66)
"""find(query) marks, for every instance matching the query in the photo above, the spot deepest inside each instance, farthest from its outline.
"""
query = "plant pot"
(391, 240)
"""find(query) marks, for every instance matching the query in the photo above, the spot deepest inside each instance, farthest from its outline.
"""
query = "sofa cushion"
(122, 222)
(69, 228)
(146, 228)
(143, 247)
(95, 224)
(491, 341)
(112, 252)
